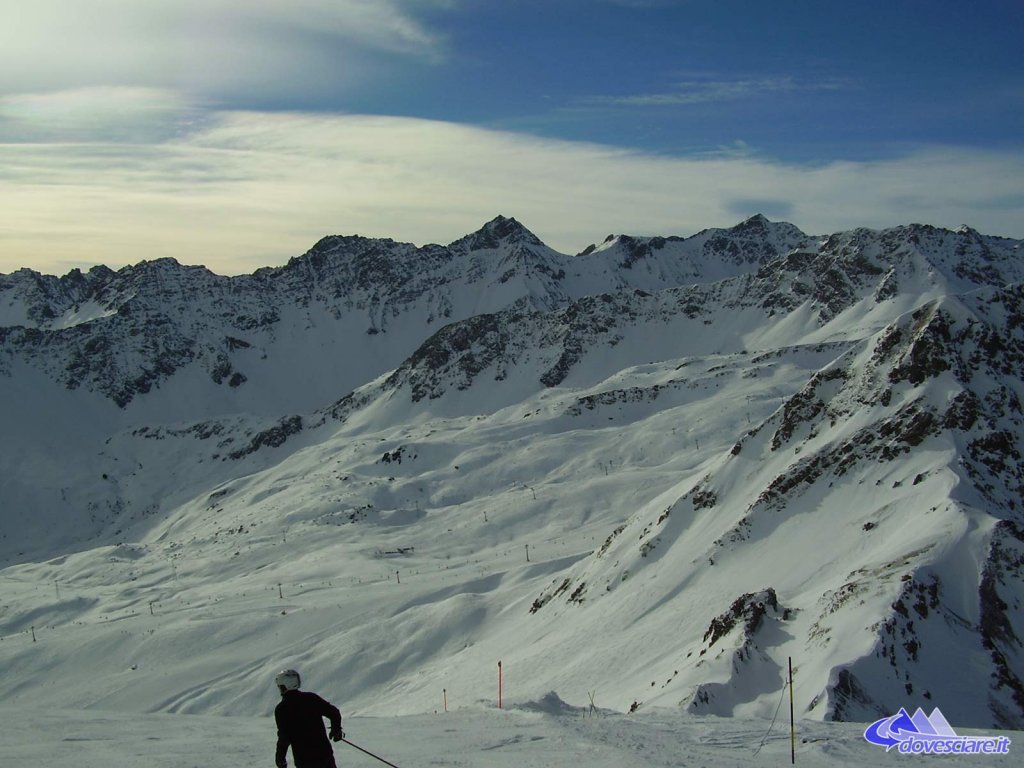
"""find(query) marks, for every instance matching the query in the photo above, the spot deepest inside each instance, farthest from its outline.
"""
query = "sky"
(236, 133)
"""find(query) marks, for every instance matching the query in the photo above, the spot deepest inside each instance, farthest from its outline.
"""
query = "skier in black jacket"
(300, 725)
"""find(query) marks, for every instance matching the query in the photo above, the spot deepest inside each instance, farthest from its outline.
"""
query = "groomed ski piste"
(540, 734)
(130, 659)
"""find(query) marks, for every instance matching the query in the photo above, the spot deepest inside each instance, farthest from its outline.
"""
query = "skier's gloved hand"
(282, 764)
(337, 734)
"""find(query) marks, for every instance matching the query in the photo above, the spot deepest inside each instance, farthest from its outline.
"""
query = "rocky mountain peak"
(781, 234)
(756, 223)
(498, 231)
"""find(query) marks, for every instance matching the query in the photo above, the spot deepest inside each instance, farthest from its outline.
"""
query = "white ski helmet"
(288, 680)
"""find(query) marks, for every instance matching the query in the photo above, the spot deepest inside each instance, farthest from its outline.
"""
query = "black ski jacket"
(300, 725)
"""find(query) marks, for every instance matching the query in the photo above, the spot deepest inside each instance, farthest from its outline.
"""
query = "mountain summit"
(497, 232)
(661, 467)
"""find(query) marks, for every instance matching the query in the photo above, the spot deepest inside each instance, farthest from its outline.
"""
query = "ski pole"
(368, 752)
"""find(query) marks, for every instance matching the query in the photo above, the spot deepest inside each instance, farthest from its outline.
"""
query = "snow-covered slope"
(658, 469)
(535, 734)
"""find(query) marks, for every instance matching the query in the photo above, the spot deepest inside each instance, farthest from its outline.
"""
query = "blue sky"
(811, 81)
(236, 133)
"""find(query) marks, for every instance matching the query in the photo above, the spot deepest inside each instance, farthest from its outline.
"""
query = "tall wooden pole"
(499, 685)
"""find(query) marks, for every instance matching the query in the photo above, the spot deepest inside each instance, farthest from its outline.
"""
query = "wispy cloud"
(97, 113)
(215, 48)
(239, 190)
(708, 89)
(645, 3)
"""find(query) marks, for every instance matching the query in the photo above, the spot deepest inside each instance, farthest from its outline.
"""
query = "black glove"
(337, 734)
(282, 764)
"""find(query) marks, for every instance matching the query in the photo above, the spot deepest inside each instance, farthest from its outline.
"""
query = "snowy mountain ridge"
(162, 317)
(660, 467)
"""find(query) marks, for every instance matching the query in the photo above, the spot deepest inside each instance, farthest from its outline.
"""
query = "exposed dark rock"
(750, 609)
(850, 698)
(274, 437)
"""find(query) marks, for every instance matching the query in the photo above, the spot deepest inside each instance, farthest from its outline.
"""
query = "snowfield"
(653, 474)
(540, 734)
